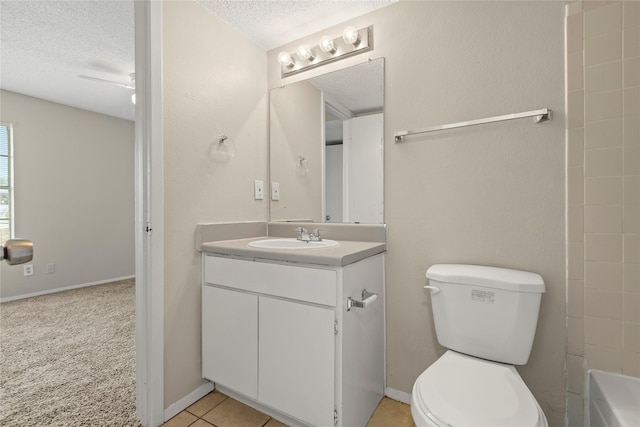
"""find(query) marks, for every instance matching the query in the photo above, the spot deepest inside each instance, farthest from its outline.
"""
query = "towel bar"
(542, 115)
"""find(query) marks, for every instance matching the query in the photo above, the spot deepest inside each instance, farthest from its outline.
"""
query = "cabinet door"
(297, 360)
(230, 339)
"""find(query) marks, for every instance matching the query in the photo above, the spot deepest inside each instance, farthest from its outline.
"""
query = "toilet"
(486, 317)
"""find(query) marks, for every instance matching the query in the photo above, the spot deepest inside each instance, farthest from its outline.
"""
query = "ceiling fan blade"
(125, 85)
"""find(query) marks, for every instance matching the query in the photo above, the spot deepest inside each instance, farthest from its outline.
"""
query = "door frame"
(149, 240)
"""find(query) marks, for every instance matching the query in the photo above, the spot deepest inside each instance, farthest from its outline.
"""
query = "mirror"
(326, 147)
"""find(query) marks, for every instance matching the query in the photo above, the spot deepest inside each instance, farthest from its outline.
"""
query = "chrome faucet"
(305, 236)
(315, 236)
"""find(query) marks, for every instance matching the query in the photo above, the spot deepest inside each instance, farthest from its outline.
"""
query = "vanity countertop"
(346, 253)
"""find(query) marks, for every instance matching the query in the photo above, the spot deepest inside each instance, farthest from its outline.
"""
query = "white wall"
(74, 194)
(213, 83)
(489, 195)
(297, 131)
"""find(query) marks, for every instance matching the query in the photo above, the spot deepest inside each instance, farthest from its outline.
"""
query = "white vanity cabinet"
(278, 334)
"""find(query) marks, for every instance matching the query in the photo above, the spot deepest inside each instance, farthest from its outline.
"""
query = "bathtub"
(614, 400)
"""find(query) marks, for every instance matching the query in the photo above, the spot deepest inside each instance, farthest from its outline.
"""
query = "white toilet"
(487, 317)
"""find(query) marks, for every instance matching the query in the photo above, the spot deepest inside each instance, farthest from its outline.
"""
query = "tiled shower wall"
(603, 107)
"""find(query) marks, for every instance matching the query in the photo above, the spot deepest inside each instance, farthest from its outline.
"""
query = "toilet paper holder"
(367, 298)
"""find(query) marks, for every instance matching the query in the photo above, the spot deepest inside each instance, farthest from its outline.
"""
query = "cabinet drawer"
(287, 281)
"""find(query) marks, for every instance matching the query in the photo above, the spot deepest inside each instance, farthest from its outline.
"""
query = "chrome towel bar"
(541, 115)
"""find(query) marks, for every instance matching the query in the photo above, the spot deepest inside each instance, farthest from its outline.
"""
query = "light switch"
(258, 189)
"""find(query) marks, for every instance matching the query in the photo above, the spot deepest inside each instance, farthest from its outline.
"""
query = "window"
(6, 183)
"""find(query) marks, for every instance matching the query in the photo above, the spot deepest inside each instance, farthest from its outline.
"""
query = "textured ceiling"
(359, 88)
(46, 45)
(273, 23)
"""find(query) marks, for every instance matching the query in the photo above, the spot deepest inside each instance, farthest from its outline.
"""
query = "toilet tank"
(487, 312)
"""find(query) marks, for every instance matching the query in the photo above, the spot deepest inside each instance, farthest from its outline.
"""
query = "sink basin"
(291, 243)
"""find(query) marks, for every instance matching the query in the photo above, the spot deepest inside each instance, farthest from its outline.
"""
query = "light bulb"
(285, 60)
(351, 36)
(327, 45)
(306, 53)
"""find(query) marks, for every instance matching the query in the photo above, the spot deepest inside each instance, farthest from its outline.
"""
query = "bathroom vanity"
(280, 333)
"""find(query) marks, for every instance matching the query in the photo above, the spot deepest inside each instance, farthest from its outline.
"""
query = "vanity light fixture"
(352, 42)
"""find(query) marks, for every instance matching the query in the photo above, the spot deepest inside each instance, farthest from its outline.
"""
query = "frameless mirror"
(326, 147)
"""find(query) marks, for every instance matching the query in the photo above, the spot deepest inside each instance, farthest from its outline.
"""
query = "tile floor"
(219, 410)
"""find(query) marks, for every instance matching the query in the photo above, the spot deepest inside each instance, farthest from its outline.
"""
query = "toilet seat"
(460, 390)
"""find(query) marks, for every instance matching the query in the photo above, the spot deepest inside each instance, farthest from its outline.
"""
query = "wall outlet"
(258, 189)
(51, 268)
(275, 191)
(28, 270)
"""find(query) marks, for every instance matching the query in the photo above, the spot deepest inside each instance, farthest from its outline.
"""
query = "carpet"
(68, 359)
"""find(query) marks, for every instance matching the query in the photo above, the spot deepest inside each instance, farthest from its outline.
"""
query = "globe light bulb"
(351, 36)
(285, 60)
(326, 45)
(306, 53)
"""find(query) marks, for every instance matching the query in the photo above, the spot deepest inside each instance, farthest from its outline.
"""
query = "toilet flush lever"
(434, 289)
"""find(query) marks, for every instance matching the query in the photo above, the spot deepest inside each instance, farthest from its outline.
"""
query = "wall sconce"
(352, 42)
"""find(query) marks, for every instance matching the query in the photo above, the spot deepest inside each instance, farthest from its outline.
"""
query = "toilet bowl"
(460, 390)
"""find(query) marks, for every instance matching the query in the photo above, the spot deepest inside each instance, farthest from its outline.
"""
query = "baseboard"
(398, 395)
(191, 398)
(67, 288)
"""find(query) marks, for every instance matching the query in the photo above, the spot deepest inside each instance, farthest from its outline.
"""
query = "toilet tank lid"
(490, 277)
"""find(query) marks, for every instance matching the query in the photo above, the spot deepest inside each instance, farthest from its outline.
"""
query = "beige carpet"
(68, 359)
